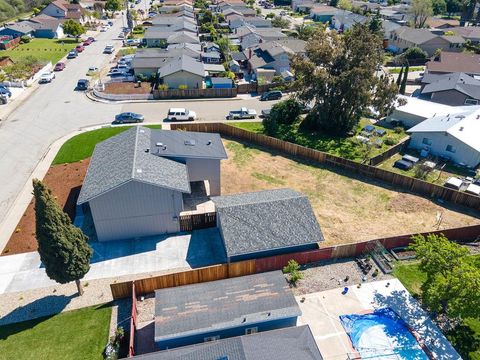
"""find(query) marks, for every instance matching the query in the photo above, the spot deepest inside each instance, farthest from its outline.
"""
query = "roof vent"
(159, 144)
(190, 142)
(461, 128)
(139, 171)
(147, 150)
(209, 142)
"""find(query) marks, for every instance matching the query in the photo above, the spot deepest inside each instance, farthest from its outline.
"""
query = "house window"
(471, 102)
(251, 330)
(427, 141)
(211, 338)
(451, 149)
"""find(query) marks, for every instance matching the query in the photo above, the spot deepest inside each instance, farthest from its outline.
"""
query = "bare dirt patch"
(128, 88)
(64, 181)
(348, 209)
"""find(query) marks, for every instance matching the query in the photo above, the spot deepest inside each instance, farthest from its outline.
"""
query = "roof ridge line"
(137, 130)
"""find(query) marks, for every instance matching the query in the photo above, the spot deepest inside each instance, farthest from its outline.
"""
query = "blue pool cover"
(382, 334)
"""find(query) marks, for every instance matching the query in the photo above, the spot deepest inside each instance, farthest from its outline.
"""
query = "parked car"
(91, 39)
(131, 42)
(128, 117)
(121, 35)
(3, 99)
(59, 66)
(271, 95)
(79, 48)
(403, 164)
(103, 28)
(109, 49)
(243, 113)
(181, 114)
(92, 70)
(5, 90)
(115, 71)
(72, 54)
(110, 23)
(265, 113)
(87, 42)
(46, 77)
(83, 84)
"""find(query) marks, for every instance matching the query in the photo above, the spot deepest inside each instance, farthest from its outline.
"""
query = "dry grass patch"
(348, 209)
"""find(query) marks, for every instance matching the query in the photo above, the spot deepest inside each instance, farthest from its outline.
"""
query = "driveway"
(117, 258)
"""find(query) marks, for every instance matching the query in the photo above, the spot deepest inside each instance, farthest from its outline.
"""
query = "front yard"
(44, 50)
(346, 147)
(466, 337)
(73, 335)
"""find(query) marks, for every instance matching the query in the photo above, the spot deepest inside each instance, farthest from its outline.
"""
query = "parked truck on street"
(243, 113)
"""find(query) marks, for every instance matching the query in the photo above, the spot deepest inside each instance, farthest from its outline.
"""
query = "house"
(471, 33)
(344, 20)
(274, 55)
(214, 69)
(250, 36)
(162, 37)
(183, 37)
(62, 9)
(454, 89)
(451, 136)
(194, 314)
(323, 13)
(266, 223)
(237, 21)
(18, 29)
(415, 111)
(303, 6)
(449, 62)
(149, 61)
(169, 21)
(183, 71)
(405, 37)
(176, 9)
(40, 26)
(211, 57)
(238, 10)
(437, 23)
(234, 66)
(135, 181)
(281, 344)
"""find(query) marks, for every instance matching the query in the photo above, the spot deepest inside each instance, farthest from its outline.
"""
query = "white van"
(181, 114)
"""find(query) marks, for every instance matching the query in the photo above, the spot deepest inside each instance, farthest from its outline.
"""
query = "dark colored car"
(87, 42)
(5, 91)
(110, 23)
(79, 48)
(72, 54)
(128, 117)
(83, 84)
(59, 66)
(403, 164)
(271, 95)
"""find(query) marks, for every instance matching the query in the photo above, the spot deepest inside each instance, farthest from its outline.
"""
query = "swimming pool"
(382, 334)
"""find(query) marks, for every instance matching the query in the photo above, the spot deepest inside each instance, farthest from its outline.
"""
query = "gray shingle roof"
(175, 144)
(265, 220)
(223, 304)
(157, 58)
(294, 343)
(456, 81)
(182, 63)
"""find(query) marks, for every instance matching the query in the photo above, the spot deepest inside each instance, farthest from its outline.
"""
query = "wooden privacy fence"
(389, 153)
(198, 221)
(194, 93)
(398, 180)
(248, 267)
(133, 323)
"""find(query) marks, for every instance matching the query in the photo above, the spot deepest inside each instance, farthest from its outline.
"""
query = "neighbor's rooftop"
(199, 308)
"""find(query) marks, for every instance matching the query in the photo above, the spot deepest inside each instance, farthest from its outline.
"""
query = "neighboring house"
(234, 66)
(149, 61)
(292, 343)
(211, 57)
(274, 55)
(249, 36)
(214, 69)
(437, 23)
(388, 28)
(454, 62)
(170, 21)
(18, 29)
(452, 136)
(415, 111)
(266, 223)
(135, 182)
(41, 26)
(239, 10)
(471, 33)
(303, 6)
(176, 10)
(183, 71)
(62, 9)
(161, 37)
(454, 89)
(344, 20)
(323, 13)
(398, 15)
(194, 314)
(405, 37)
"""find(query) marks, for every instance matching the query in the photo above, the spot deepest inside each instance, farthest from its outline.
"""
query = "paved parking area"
(321, 311)
(117, 258)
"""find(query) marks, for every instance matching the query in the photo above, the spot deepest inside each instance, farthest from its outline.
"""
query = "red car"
(79, 48)
(91, 39)
(59, 66)
(87, 42)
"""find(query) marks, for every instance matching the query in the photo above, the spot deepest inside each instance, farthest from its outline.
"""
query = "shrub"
(295, 276)
(398, 129)
(390, 141)
(163, 87)
(421, 171)
(415, 53)
(25, 39)
(112, 349)
(183, 87)
(142, 77)
(291, 266)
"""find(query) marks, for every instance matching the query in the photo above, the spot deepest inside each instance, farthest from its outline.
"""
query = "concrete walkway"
(117, 258)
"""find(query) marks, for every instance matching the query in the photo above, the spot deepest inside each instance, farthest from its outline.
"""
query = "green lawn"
(346, 147)
(73, 335)
(466, 337)
(44, 50)
(81, 146)
(396, 70)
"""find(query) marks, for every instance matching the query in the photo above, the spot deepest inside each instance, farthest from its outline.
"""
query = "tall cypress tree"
(62, 246)
(399, 78)
(403, 87)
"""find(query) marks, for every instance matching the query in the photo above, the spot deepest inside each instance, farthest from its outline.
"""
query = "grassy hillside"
(10, 9)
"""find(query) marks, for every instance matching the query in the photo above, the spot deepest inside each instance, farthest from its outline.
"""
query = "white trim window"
(471, 102)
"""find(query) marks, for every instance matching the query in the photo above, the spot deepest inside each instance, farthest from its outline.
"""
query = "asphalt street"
(55, 110)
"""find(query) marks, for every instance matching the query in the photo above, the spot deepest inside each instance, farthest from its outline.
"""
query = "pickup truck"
(243, 113)
(46, 77)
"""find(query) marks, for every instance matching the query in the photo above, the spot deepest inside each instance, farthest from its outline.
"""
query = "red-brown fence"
(133, 323)
(397, 180)
(389, 153)
(198, 221)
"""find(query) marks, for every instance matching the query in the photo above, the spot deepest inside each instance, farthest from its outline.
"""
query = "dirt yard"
(348, 210)
(128, 88)
(64, 181)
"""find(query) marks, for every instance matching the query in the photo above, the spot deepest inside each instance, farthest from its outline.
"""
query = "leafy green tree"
(454, 6)
(304, 32)
(113, 5)
(345, 5)
(280, 22)
(421, 10)
(63, 247)
(71, 27)
(284, 112)
(415, 53)
(375, 24)
(439, 7)
(325, 76)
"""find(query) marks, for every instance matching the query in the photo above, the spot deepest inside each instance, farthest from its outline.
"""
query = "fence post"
(133, 323)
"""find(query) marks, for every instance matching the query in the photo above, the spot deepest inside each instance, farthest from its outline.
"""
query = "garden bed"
(128, 88)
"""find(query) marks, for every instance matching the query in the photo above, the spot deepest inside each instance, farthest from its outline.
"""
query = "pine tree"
(403, 87)
(63, 247)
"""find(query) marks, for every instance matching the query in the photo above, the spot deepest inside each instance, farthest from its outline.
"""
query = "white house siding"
(205, 169)
(409, 120)
(193, 81)
(134, 210)
(440, 140)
